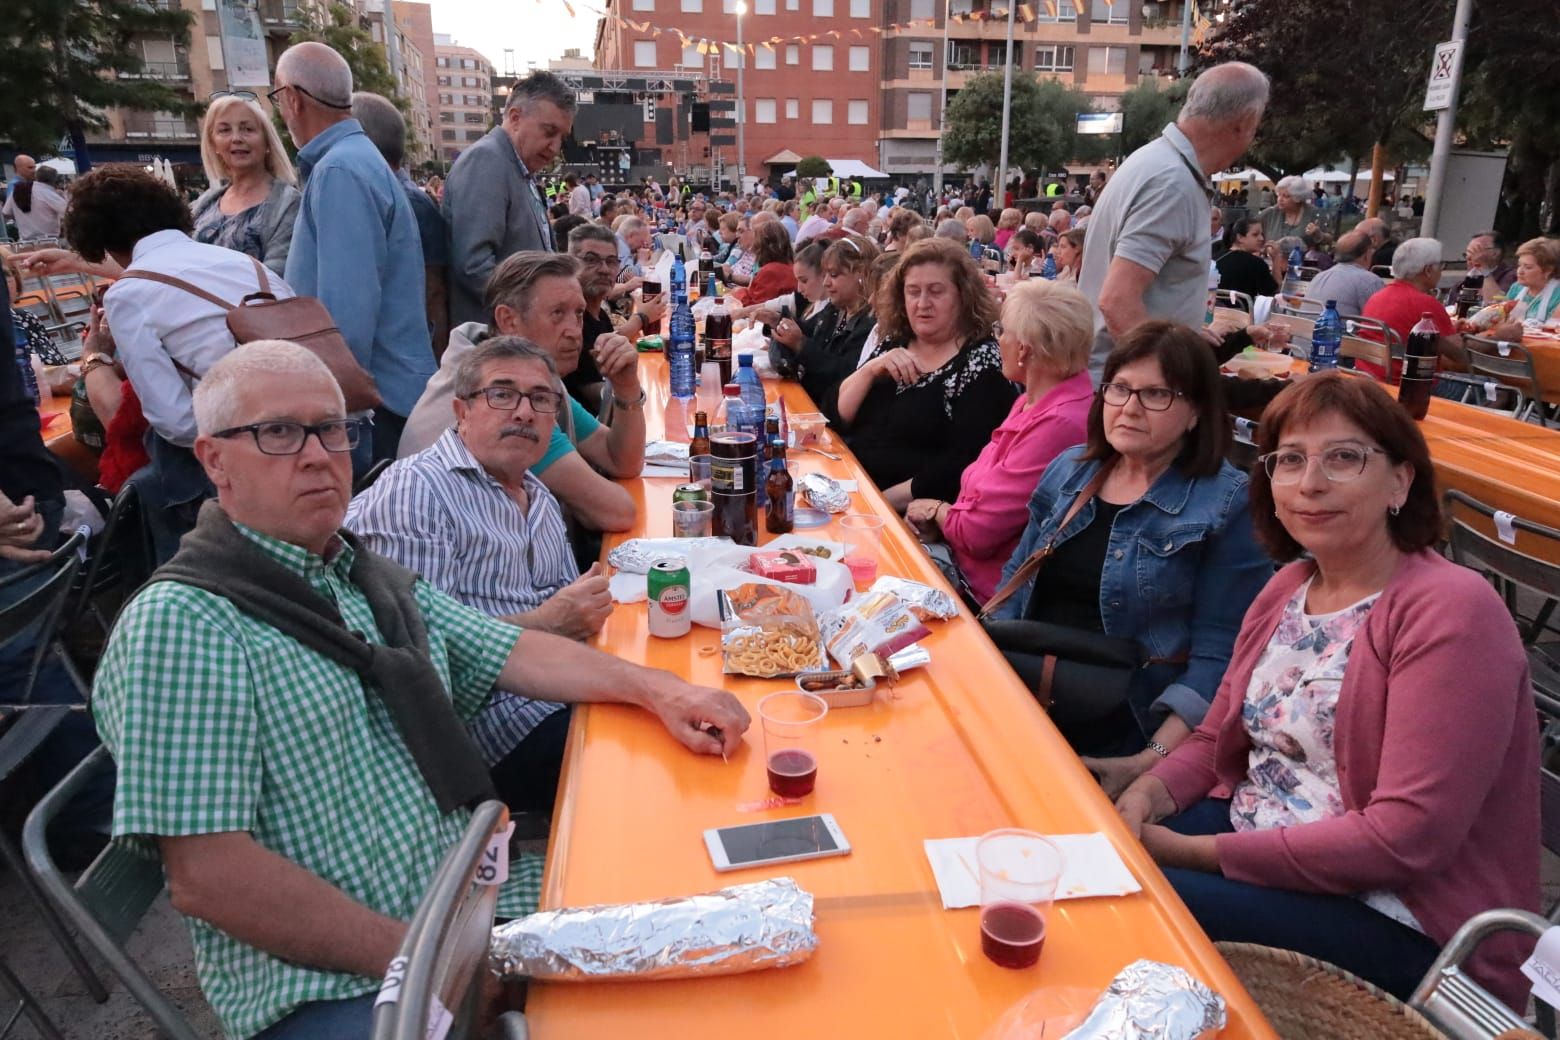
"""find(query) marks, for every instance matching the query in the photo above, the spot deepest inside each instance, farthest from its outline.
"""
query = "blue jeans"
(1338, 929)
(349, 1019)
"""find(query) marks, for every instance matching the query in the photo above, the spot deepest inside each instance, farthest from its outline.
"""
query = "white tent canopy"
(1322, 176)
(854, 168)
(1243, 176)
(65, 166)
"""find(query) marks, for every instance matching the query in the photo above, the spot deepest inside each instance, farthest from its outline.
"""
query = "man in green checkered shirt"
(297, 832)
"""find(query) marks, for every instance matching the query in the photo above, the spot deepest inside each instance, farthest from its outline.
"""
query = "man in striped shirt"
(469, 516)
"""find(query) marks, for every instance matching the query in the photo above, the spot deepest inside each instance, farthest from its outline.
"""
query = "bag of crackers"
(768, 631)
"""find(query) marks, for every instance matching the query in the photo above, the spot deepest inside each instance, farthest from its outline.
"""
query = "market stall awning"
(854, 168)
(784, 157)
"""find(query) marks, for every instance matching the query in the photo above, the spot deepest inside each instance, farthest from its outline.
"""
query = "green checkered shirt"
(220, 723)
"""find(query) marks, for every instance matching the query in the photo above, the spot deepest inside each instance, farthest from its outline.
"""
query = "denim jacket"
(1181, 567)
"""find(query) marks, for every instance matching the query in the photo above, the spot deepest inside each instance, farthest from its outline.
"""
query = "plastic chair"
(1300, 306)
(446, 946)
(120, 559)
(1451, 1000)
(1301, 327)
(26, 1005)
(370, 475)
(108, 901)
(1242, 452)
(1231, 298)
(39, 609)
(1357, 349)
(1511, 365)
(1509, 565)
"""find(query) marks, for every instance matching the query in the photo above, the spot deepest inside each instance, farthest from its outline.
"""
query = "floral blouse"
(1289, 711)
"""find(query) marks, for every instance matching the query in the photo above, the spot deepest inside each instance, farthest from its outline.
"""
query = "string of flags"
(1024, 12)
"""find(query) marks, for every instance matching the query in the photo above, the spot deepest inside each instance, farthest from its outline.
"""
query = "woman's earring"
(1394, 510)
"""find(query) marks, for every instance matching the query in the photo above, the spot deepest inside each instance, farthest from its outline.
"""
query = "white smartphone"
(775, 841)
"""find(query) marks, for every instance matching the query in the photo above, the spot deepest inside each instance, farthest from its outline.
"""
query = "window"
(476, 118)
(856, 113)
(1111, 12)
(1053, 58)
(793, 5)
(644, 5)
(1065, 12)
(921, 54)
(473, 100)
(861, 8)
(446, 117)
(963, 54)
(764, 7)
(444, 81)
(918, 107)
(1107, 61)
(793, 54)
(822, 59)
(823, 111)
(214, 53)
(860, 59)
(644, 54)
(823, 8)
(693, 6)
(691, 57)
(468, 63)
(996, 55)
(793, 108)
(446, 99)
(920, 9)
(474, 135)
(444, 63)
(448, 135)
(764, 110)
(763, 57)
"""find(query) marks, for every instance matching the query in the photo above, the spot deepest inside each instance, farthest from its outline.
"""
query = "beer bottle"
(700, 444)
(780, 512)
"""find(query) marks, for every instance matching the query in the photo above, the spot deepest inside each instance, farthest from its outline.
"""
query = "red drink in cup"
(1011, 934)
(792, 773)
(792, 723)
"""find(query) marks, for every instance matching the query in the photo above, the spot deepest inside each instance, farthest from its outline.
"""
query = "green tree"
(813, 166)
(63, 65)
(1042, 129)
(1147, 107)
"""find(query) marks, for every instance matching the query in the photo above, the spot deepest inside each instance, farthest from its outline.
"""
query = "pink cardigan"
(983, 526)
(1437, 751)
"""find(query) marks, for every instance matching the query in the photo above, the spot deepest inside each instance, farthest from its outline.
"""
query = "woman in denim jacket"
(1164, 553)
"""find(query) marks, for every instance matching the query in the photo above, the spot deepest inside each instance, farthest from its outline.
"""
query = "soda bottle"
(1419, 362)
(679, 351)
(700, 444)
(780, 513)
(717, 339)
(1326, 337)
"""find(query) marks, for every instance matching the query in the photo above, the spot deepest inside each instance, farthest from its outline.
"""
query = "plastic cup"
(862, 534)
(1018, 871)
(692, 519)
(793, 730)
(699, 471)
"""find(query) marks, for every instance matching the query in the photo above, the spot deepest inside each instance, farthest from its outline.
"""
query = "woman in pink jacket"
(1367, 778)
(1045, 335)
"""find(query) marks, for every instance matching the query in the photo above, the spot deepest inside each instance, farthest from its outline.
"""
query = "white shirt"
(153, 325)
(43, 219)
(579, 201)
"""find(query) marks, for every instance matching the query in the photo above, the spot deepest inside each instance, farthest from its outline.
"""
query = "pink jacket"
(983, 526)
(1437, 753)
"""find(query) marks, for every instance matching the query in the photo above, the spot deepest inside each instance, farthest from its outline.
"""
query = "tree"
(1043, 123)
(63, 66)
(1147, 107)
(813, 166)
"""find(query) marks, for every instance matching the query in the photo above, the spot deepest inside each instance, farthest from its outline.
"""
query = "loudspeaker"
(701, 117)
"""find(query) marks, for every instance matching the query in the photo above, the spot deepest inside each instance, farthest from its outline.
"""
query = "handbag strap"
(179, 283)
(1027, 570)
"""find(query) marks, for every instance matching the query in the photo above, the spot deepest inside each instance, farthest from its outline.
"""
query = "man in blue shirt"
(356, 244)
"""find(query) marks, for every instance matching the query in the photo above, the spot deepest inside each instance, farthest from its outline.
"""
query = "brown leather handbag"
(300, 319)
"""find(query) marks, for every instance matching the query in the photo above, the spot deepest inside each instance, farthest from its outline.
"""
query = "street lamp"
(741, 9)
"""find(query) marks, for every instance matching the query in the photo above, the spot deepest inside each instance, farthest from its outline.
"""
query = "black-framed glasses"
(242, 95)
(507, 399)
(284, 437)
(597, 259)
(270, 96)
(1154, 398)
(1339, 464)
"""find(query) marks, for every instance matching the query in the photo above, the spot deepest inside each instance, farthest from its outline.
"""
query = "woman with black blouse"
(923, 405)
(828, 349)
(1251, 266)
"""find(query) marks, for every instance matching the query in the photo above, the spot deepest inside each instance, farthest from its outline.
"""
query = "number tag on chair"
(1491, 389)
(439, 1017)
(1543, 968)
(1245, 428)
(1506, 527)
(1504, 348)
(439, 1020)
(493, 868)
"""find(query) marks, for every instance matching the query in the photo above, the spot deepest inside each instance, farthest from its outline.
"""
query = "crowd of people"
(1294, 740)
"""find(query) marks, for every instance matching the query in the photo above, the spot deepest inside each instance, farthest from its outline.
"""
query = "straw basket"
(1304, 998)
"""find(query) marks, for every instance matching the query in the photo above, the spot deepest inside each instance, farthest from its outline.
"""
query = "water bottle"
(1326, 337)
(1049, 270)
(710, 291)
(679, 282)
(24, 366)
(679, 349)
(1213, 291)
(751, 388)
(977, 251)
(1292, 276)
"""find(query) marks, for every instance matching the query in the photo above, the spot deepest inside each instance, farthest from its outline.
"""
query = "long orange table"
(960, 749)
(1546, 363)
(60, 438)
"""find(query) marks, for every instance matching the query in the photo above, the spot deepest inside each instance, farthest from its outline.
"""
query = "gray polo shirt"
(1349, 284)
(1154, 212)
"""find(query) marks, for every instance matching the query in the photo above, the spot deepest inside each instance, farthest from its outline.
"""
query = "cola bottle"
(1419, 362)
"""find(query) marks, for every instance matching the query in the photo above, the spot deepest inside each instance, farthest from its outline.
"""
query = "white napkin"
(656, 469)
(1091, 867)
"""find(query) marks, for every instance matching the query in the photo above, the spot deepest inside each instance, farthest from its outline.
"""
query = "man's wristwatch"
(96, 361)
(630, 406)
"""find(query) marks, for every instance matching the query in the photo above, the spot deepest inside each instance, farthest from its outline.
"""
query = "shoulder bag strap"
(178, 283)
(263, 276)
(1031, 566)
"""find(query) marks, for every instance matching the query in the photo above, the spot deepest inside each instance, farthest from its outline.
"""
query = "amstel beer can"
(667, 594)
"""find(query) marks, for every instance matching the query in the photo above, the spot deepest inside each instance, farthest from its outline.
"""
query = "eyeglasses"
(597, 259)
(242, 95)
(270, 96)
(280, 437)
(1154, 398)
(507, 399)
(1340, 464)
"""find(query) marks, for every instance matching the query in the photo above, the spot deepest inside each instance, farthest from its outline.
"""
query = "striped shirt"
(441, 514)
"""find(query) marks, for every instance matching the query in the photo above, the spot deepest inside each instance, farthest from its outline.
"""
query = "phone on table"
(775, 841)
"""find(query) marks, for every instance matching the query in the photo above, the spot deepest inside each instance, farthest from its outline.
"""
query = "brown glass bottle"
(700, 444)
(780, 510)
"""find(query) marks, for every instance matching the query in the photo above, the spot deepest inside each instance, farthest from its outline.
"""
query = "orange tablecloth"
(961, 748)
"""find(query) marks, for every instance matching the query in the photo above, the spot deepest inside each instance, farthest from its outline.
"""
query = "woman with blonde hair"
(981, 229)
(253, 202)
(1010, 221)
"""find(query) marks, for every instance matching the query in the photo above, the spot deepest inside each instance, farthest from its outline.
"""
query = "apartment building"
(406, 59)
(464, 81)
(416, 21)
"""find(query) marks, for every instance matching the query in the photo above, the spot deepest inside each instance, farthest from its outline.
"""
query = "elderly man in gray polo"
(1349, 282)
(1147, 252)
(491, 199)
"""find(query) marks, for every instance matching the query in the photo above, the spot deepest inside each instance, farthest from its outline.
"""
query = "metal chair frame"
(1451, 1000)
(1509, 364)
(1231, 298)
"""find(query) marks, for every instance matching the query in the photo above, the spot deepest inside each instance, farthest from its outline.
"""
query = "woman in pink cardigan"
(1367, 778)
(1045, 336)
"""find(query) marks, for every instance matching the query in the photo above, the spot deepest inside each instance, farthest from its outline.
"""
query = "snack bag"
(767, 631)
(876, 623)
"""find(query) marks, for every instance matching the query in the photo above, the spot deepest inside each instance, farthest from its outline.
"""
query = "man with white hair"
(1147, 252)
(1416, 273)
(1294, 215)
(633, 235)
(286, 712)
(491, 197)
(858, 221)
(954, 230)
(356, 244)
(1059, 220)
(1383, 245)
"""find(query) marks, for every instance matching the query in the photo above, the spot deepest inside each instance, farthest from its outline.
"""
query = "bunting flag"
(1026, 12)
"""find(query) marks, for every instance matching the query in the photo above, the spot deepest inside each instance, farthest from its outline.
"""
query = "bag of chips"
(767, 631)
(876, 623)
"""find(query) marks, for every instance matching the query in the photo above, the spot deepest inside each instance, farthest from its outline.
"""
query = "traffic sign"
(1443, 73)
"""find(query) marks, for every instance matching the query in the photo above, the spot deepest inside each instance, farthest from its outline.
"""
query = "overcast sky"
(537, 30)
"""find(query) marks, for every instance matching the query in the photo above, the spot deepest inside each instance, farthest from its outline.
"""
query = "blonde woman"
(1010, 221)
(253, 201)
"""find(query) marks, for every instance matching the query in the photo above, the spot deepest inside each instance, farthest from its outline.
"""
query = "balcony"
(142, 126)
(176, 71)
(278, 15)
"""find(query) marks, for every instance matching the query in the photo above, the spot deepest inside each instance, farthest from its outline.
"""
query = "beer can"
(667, 593)
(690, 493)
(650, 344)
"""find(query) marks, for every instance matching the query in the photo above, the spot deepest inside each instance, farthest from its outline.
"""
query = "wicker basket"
(1307, 999)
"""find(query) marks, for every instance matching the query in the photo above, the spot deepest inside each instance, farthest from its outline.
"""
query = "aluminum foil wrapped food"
(823, 492)
(927, 603)
(766, 924)
(1153, 1001)
(638, 555)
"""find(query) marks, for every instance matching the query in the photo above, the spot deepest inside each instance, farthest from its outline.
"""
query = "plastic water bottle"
(1049, 270)
(1292, 276)
(977, 251)
(1213, 291)
(679, 281)
(1326, 337)
(751, 388)
(679, 349)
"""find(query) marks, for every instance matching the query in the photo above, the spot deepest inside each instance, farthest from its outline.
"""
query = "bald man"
(356, 245)
(1349, 282)
(26, 166)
